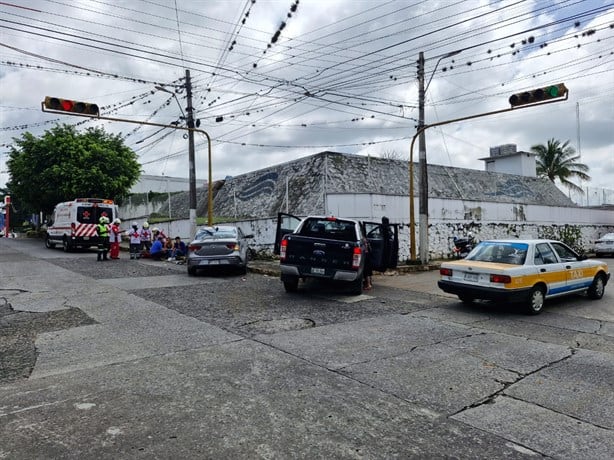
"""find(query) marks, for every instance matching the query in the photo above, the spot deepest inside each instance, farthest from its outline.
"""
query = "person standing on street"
(115, 237)
(102, 230)
(135, 241)
(145, 235)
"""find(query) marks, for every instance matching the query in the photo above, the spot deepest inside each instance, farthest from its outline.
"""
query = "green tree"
(559, 161)
(64, 164)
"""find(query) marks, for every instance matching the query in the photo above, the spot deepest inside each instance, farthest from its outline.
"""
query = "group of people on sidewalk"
(144, 243)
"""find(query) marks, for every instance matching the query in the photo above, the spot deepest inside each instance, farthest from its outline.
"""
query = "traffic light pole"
(424, 234)
(161, 125)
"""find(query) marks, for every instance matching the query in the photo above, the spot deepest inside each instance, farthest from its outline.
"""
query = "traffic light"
(68, 105)
(538, 95)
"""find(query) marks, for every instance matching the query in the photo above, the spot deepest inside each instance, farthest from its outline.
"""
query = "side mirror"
(251, 235)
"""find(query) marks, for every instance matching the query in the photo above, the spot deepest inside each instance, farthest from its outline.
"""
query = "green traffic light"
(553, 91)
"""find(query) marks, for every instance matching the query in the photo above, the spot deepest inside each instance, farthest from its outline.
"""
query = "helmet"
(155, 229)
(117, 221)
(145, 224)
(103, 220)
(134, 224)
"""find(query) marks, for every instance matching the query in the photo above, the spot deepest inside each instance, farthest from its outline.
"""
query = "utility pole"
(192, 173)
(424, 186)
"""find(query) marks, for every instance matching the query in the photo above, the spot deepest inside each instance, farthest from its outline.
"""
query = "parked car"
(523, 271)
(217, 248)
(332, 248)
(605, 245)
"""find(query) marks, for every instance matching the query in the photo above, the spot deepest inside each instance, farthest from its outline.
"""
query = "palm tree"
(558, 161)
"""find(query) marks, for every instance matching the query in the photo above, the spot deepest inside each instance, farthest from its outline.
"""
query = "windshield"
(500, 252)
(215, 233)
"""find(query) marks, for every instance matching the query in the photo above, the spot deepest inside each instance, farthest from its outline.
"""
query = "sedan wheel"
(597, 288)
(535, 303)
(465, 299)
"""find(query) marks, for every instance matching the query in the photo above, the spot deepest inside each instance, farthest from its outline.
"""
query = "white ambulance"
(73, 223)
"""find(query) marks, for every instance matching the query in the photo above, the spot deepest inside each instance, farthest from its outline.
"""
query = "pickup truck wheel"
(356, 288)
(535, 301)
(48, 243)
(597, 288)
(291, 285)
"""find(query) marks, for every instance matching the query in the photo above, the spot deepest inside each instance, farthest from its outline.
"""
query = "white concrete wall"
(396, 208)
(447, 218)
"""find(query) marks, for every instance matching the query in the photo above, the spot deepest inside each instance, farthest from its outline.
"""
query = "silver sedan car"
(217, 248)
(605, 245)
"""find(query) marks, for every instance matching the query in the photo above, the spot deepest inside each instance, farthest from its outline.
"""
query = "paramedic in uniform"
(102, 230)
(115, 238)
(135, 241)
(145, 235)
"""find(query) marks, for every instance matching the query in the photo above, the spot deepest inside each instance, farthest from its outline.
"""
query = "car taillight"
(445, 271)
(233, 246)
(504, 279)
(194, 247)
(282, 249)
(356, 258)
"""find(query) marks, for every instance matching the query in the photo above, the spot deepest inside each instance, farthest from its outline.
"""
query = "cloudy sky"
(275, 80)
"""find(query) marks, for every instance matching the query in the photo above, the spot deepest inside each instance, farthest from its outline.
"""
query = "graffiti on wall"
(265, 184)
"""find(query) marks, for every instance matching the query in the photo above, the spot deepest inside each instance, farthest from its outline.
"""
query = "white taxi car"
(523, 271)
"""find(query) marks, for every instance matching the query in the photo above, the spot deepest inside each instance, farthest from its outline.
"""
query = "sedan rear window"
(500, 252)
(215, 233)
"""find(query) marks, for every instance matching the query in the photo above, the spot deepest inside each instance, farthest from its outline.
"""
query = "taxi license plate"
(471, 277)
(317, 271)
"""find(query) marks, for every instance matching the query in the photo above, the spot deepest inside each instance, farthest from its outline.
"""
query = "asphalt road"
(136, 359)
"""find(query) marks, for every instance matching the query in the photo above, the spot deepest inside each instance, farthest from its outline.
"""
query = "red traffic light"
(68, 105)
(538, 95)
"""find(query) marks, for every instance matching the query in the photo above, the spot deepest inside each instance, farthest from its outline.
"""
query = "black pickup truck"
(333, 248)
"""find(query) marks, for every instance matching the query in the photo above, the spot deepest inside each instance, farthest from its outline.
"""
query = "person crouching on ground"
(157, 250)
(135, 241)
(179, 249)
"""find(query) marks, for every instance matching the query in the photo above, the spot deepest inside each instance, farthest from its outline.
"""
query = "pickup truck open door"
(384, 242)
(286, 223)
